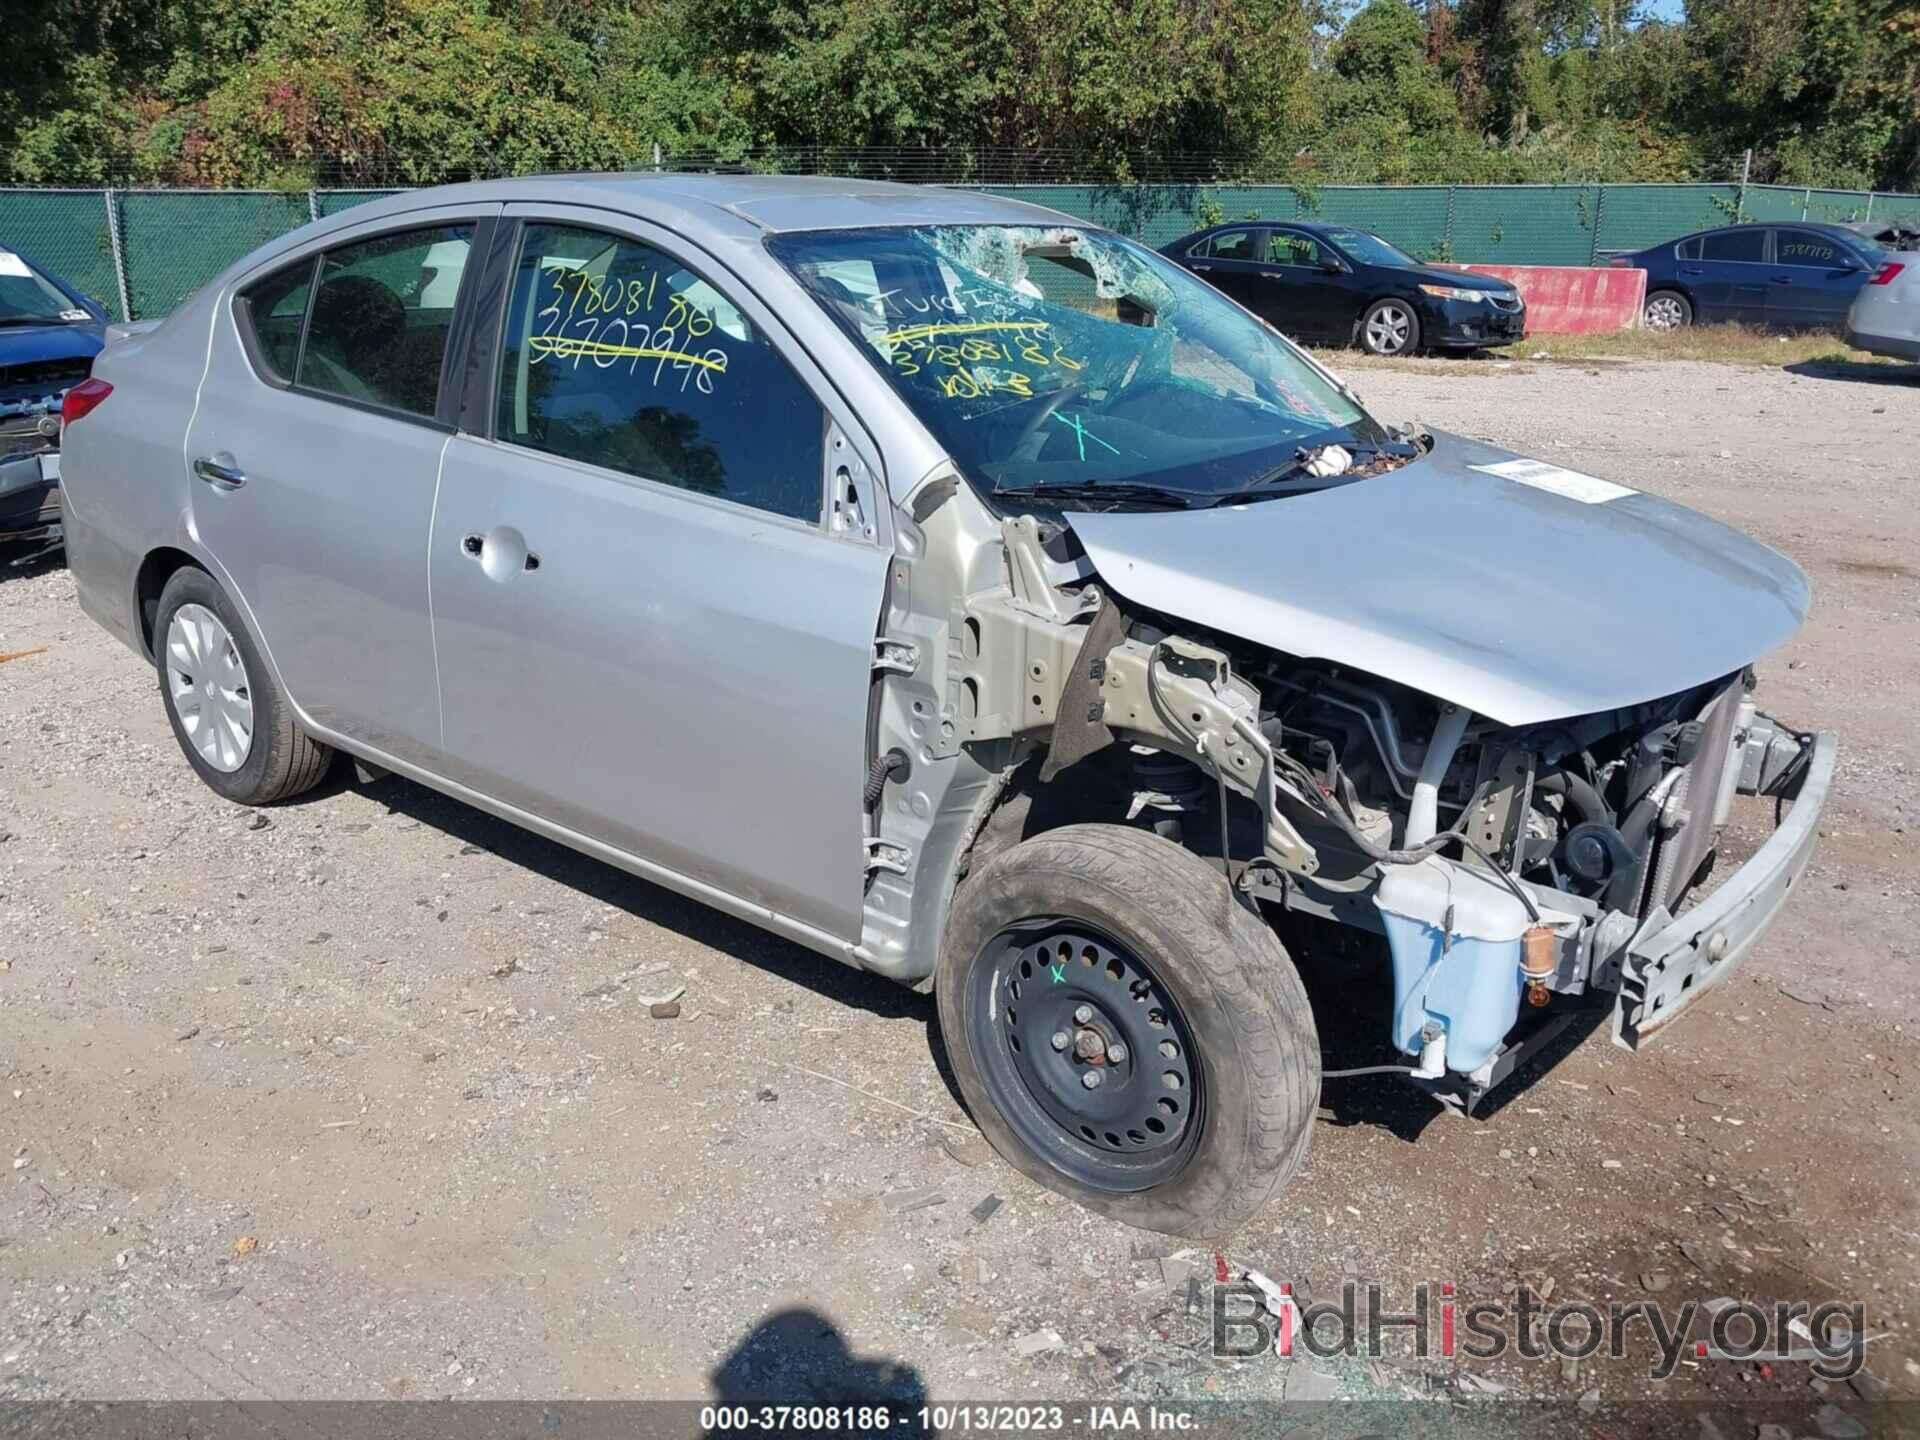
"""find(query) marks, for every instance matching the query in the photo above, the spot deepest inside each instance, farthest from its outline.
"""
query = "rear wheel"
(1667, 310)
(232, 719)
(1126, 1033)
(1390, 328)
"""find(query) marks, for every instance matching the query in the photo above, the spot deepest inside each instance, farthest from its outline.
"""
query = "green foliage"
(290, 93)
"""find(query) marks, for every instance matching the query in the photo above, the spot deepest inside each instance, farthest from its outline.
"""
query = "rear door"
(647, 633)
(1812, 281)
(1729, 280)
(314, 452)
(1233, 261)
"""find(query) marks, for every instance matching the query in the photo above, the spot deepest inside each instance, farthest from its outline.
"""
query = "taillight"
(82, 398)
(1887, 272)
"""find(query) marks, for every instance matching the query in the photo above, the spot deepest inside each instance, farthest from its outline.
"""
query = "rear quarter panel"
(123, 467)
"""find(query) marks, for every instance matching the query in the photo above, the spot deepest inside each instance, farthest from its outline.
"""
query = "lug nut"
(1083, 1015)
(1091, 1079)
(1116, 1052)
(1061, 1039)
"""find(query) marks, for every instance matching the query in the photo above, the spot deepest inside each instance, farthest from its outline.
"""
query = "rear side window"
(274, 309)
(1688, 249)
(379, 322)
(1748, 243)
(618, 355)
(1230, 245)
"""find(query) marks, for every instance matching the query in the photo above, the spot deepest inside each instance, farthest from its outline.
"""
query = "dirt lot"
(361, 1097)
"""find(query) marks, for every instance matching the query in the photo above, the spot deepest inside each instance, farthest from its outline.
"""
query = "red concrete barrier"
(1573, 299)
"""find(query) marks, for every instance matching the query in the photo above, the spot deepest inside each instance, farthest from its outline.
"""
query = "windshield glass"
(27, 295)
(1369, 249)
(1064, 358)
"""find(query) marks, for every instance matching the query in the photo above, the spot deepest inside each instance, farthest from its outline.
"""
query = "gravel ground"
(361, 1097)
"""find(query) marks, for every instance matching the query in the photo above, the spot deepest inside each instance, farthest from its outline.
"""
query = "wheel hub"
(207, 681)
(1091, 1052)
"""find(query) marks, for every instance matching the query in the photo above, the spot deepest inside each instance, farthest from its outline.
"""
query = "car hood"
(1460, 280)
(24, 344)
(1520, 590)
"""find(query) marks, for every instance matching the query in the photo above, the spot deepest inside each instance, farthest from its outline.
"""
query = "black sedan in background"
(1783, 277)
(1333, 283)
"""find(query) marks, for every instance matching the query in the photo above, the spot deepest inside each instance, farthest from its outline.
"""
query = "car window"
(1232, 245)
(1291, 247)
(617, 354)
(1748, 243)
(25, 294)
(1810, 248)
(274, 310)
(1688, 249)
(378, 328)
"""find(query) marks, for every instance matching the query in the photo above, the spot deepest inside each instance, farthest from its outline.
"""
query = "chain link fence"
(141, 252)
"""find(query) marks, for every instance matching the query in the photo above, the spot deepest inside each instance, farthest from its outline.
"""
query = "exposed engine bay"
(1504, 865)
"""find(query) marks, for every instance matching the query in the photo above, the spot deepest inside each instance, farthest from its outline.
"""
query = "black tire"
(1666, 310)
(1237, 1002)
(1372, 324)
(283, 759)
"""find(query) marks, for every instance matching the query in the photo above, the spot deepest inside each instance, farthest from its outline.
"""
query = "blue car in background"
(49, 334)
(1782, 277)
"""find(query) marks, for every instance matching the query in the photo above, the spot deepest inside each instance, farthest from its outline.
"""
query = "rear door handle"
(1201, 267)
(510, 553)
(220, 472)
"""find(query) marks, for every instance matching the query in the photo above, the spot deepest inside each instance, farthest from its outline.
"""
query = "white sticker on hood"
(12, 264)
(1587, 489)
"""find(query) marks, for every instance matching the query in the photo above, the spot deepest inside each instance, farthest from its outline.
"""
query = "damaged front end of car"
(1513, 873)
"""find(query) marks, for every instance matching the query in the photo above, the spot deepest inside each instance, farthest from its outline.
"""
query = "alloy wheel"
(1663, 313)
(1389, 329)
(207, 682)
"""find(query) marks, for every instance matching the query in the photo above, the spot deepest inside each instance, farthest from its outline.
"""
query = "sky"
(1666, 9)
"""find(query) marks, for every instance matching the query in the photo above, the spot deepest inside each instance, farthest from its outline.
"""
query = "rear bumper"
(1901, 347)
(1672, 961)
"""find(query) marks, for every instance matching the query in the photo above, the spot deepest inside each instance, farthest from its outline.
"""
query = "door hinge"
(886, 855)
(897, 657)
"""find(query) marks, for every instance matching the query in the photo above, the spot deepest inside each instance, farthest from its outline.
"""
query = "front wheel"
(1127, 1033)
(1390, 328)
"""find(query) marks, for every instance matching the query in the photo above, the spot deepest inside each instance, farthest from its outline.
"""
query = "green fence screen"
(141, 252)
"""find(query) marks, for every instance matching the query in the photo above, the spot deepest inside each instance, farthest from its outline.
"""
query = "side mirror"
(1331, 264)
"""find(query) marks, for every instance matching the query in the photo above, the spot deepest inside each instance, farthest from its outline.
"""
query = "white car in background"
(1885, 317)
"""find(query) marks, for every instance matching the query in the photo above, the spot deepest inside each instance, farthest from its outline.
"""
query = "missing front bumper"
(1672, 961)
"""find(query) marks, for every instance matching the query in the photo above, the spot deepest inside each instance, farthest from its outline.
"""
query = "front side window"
(274, 309)
(618, 355)
(1369, 249)
(378, 329)
(1747, 245)
(1809, 248)
(1291, 247)
(1048, 357)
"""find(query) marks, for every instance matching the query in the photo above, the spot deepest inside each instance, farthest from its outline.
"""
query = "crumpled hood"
(1525, 593)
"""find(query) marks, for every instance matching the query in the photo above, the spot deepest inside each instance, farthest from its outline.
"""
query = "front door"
(314, 453)
(1304, 296)
(647, 634)
(1812, 281)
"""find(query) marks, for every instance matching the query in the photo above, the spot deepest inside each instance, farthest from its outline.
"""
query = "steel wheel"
(1389, 328)
(207, 681)
(1086, 1054)
(1665, 312)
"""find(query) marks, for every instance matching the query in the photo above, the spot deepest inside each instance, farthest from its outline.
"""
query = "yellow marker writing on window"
(565, 347)
(922, 332)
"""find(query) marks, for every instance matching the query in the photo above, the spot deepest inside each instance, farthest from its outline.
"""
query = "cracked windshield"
(1065, 363)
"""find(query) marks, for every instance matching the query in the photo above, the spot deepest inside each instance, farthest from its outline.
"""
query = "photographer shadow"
(798, 1358)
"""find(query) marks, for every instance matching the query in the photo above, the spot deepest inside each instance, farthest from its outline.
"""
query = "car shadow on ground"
(737, 939)
(1866, 370)
(28, 561)
(798, 1357)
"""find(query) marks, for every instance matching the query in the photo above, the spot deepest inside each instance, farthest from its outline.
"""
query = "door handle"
(1202, 267)
(508, 555)
(219, 472)
(1783, 279)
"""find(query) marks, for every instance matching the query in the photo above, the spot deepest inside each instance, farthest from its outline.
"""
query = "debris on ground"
(985, 1210)
(901, 1201)
(664, 1010)
(1036, 1342)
